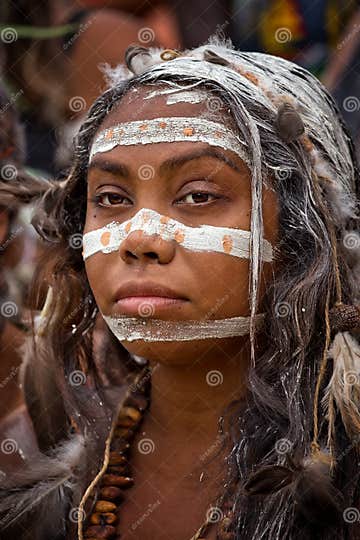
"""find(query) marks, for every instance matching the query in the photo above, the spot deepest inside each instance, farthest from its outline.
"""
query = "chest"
(149, 513)
(173, 489)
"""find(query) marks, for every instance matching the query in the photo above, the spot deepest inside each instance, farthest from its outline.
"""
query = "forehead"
(139, 114)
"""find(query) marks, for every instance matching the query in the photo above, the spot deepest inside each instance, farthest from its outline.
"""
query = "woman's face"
(194, 183)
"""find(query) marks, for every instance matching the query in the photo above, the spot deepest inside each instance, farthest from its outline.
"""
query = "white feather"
(344, 385)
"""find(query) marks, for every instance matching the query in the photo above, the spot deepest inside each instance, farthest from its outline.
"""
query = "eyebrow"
(119, 169)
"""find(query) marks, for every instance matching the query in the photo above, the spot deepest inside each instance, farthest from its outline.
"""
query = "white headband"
(169, 129)
(231, 241)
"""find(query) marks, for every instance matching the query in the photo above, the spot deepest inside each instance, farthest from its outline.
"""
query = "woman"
(244, 379)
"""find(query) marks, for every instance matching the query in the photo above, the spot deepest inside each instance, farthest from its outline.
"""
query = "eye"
(199, 197)
(108, 199)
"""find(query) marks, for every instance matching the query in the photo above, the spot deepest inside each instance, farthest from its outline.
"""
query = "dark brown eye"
(198, 197)
(108, 199)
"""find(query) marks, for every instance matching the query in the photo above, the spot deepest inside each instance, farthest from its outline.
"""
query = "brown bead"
(106, 518)
(111, 492)
(125, 422)
(130, 412)
(125, 433)
(289, 123)
(98, 531)
(105, 506)
(119, 445)
(117, 459)
(113, 480)
(138, 400)
(344, 317)
(123, 470)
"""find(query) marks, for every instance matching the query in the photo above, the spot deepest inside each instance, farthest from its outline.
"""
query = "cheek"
(96, 271)
(222, 284)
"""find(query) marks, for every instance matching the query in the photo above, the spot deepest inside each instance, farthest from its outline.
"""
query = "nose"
(144, 248)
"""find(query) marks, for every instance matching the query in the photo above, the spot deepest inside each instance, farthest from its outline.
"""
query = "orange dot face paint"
(105, 238)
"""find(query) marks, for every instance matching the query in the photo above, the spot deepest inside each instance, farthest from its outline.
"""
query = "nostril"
(151, 254)
(131, 255)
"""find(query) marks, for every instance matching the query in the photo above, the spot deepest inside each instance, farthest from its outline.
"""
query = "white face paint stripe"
(189, 96)
(231, 241)
(132, 328)
(176, 96)
(169, 129)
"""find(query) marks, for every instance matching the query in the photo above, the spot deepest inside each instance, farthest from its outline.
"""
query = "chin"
(174, 353)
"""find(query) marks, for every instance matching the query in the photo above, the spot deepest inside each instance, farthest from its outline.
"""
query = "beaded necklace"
(114, 477)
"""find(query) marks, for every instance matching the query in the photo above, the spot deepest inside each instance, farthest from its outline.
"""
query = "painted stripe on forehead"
(133, 328)
(231, 241)
(169, 129)
(178, 95)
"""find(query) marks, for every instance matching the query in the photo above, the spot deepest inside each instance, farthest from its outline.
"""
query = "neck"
(185, 398)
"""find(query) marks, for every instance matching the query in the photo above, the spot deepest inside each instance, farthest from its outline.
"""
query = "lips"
(146, 299)
(146, 289)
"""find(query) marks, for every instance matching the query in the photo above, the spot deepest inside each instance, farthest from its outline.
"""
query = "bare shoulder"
(17, 439)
